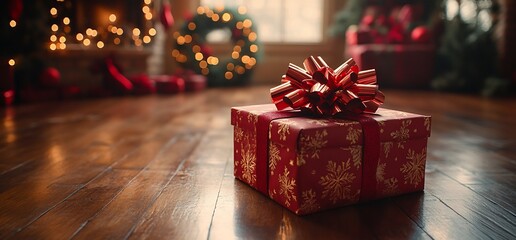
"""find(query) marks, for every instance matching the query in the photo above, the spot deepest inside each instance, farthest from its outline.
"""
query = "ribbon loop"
(321, 90)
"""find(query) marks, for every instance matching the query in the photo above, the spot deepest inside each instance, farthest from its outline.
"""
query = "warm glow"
(228, 75)
(196, 48)
(203, 64)
(200, 10)
(152, 31)
(148, 16)
(247, 23)
(12, 62)
(53, 38)
(112, 18)
(79, 37)
(89, 31)
(137, 42)
(191, 26)
(213, 60)
(188, 38)
(242, 10)
(136, 32)
(100, 44)
(240, 70)
(215, 17)
(239, 25)
(86, 42)
(235, 55)
(119, 32)
(94, 33)
(145, 9)
(205, 71)
(62, 45)
(66, 20)
(175, 53)
(113, 29)
(199, 56)
(237, 48)
(252, 36)
(245, 59)
(147, 2)
(230, 66)
(53, 11)
(116, 41)
(12, 23)
(146, 39)
(52, 46)
(253, 48)
(180, 40)
(226, 17)
(55, 27)
(252, 61)
(62, 39)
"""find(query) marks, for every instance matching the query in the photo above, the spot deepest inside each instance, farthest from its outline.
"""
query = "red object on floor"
(292, 158)
(169, 84)
(397, 65)
(50, 77)
(116, 79)
(142, 84)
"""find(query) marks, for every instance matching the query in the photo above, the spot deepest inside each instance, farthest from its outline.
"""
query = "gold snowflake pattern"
(427, 123)
(238, 114)
(387, 148)
(309, 203)
(311, 146)
(239, 134)
(390, 186)
(380, 172)
(356, 155)
(248, 164)
(342, 123)
(284, 128)
(274, 157)
(320, 122)
(287, 185)
(252, 118)
(414, 169)
(353, 135)
(337, 182)
(403, 133)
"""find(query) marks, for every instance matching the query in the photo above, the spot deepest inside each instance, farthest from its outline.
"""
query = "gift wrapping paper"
(315, 164)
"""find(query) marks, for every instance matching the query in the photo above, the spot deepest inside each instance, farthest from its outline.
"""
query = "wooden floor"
(160, 167)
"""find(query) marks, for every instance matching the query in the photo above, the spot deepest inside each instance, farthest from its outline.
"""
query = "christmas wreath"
(191, 51)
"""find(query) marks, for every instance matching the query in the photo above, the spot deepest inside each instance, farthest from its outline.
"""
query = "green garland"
(192, 53)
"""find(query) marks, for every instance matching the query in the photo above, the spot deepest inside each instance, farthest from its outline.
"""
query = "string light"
(54, 27)
(53, 38)
(116, 41)
(147, 2)
(228, 75)
(145, 9)
(191, 26)
(242, 10)
(112, 18)
(53, 11)
(12, 23)
(136, 32)
(86, 42)
(66, 21)
(119, 31)
(53, 46)
(12, 62)
(253, 48)
(152, 31)
(62, 39)
(100, 44)
(199, 56)
(146, 39)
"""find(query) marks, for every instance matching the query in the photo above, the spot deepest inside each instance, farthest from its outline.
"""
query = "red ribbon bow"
(321, 90)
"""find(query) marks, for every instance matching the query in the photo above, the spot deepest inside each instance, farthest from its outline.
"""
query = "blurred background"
(75, 49)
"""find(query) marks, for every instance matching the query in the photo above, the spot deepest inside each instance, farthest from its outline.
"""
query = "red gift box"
(312, 164)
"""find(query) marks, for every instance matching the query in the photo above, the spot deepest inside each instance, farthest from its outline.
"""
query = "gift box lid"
(394, 126)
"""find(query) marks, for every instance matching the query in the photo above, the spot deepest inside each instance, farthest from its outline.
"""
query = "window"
(282, 21)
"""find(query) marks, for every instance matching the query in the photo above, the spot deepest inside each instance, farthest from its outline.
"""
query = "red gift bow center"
(321, 90)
